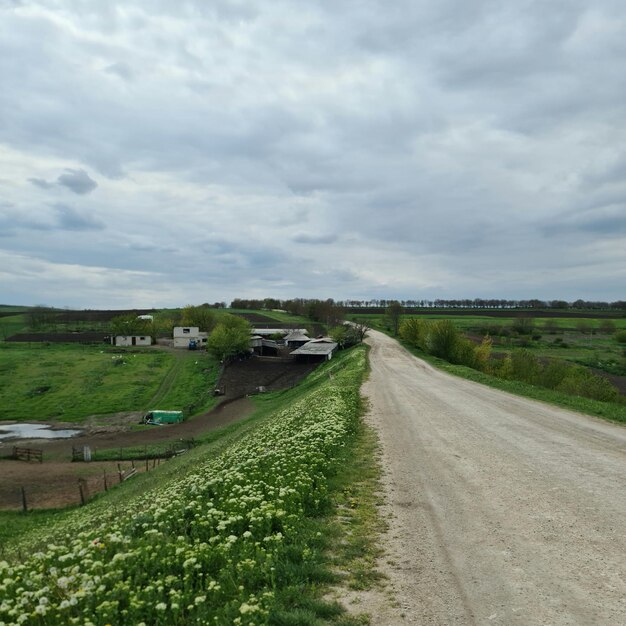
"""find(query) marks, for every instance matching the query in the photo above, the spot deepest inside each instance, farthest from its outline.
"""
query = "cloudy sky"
(159, 153)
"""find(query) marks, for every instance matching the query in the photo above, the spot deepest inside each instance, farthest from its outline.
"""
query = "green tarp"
(164, 417)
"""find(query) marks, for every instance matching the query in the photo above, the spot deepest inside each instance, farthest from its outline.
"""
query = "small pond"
(34, 431)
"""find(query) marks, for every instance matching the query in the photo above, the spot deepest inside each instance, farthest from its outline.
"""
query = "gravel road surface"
(501, 510)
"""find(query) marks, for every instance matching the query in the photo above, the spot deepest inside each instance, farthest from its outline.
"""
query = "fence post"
(119, 471)
(106, 486)
(81, 490)
(24, 505)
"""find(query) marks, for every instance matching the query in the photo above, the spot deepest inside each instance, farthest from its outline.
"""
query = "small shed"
(263, 346)
(157, 416)
(131, 340)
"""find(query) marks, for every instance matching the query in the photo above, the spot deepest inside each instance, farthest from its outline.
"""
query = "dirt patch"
(244, 377)
(86, 337)
(54, 483)
(61, 485)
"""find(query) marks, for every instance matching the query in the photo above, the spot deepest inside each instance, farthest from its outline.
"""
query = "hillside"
(225, 536)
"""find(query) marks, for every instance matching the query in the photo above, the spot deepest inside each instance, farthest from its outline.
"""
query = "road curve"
(502, 510)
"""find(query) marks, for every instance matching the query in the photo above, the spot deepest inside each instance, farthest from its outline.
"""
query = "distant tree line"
(480, 303)
(302, 306)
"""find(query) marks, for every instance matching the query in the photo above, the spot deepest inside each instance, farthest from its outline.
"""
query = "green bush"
(607, 327)
(443, 339)
(482, 355)
(554, 372)
(412, 331)
(581, 382)
(464, 353)
(523, 325)
(620, 336)
(525, 367)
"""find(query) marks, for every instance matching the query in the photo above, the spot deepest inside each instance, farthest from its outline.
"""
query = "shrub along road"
(502, 510)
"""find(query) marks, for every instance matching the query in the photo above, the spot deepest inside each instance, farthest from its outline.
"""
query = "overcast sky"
(159, 153)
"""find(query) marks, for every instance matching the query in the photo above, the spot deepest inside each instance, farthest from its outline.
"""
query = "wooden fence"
(27, 454)
(165, 450)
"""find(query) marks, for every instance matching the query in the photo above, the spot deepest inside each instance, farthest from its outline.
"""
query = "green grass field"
(70, 382)
(11, 325)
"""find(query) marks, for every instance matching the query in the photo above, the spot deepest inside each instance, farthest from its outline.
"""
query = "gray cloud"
(426, 147)
(120, 69)
(314, 239)
(41, 183)
(77, 181)
(69, 218)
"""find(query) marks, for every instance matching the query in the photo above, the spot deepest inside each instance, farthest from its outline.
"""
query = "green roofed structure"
(163, 417)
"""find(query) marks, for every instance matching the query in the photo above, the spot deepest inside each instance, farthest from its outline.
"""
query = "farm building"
(263, 347)
(131, 340)
(183, 335)
(316, 350)
(267, 332)
(296, 338)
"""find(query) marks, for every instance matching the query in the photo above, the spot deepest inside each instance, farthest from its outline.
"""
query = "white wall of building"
(132, 340)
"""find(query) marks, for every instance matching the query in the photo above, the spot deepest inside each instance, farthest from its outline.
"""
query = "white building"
(183, 335)
(131, 340)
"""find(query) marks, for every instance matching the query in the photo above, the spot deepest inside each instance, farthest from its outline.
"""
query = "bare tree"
(359, 329)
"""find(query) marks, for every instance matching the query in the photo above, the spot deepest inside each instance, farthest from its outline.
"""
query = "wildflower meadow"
(213, 546)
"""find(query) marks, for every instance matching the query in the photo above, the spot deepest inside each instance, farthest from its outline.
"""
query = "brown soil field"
(54, 483)
(259, 318)
(99, 315)
(243, 377)
(61, 486)
(86, 337)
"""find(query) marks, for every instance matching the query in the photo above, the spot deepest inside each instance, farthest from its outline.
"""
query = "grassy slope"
(213, 442)
(11, 325)
(350, 538)
(89, 380)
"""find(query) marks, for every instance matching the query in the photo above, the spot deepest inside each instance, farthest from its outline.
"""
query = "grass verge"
(608, 410)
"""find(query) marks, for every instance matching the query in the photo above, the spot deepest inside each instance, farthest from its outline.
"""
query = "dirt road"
(502, 510)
